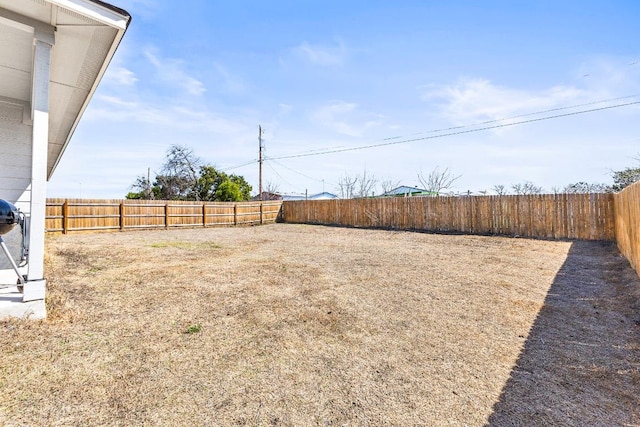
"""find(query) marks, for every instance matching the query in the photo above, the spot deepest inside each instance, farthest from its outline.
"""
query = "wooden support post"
(261, 212)
(235, 214)
(204, 214)
(65, 217)
(166, 215)
(122, 216)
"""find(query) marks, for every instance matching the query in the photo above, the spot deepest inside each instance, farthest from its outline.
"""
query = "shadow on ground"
(581, 362)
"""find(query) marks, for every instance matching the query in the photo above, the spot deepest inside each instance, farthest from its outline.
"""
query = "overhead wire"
(280, 176)
(459, 132)
(240, 165)
(269, 159)
(518, 116)
(405, 139)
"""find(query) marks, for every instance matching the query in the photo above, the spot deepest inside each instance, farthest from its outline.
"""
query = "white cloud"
(322, 55)
(120, 76)
(172, 71)
(474, 100)
(112, 108)
(345, 118)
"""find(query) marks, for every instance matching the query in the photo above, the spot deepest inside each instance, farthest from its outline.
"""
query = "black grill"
(9, 216)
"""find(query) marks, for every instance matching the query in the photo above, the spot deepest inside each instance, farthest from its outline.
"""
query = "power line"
(269, 159)
(535, 113)
(280, 176)
(405, 141)
(240, 165)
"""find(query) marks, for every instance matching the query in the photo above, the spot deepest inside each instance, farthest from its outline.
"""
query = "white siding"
(15, 175)
(15, 156)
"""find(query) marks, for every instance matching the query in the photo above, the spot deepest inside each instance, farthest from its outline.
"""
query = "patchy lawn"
(293, 325)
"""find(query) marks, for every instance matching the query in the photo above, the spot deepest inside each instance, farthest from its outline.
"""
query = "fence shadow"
(580, 365)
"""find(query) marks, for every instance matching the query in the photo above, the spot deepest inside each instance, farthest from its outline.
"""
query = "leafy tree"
(207, 183)
(228, 191)
(184, 177)
(132, 195)
(624, 178)
(243, 186)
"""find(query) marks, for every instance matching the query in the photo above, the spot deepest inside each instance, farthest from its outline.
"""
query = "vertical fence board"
(67, 215)
(627, 223)
(575, 216)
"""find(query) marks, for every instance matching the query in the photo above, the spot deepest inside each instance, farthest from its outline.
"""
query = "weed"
(193, 329)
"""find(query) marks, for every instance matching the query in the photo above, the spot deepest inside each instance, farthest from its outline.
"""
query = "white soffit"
(15, 62)
(87, 33)
(95, 11)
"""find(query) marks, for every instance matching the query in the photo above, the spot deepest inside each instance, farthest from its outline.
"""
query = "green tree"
(624, 178)
(131, 195)
(228, 191)
(184, 177)
(243, 185)
(208, 181)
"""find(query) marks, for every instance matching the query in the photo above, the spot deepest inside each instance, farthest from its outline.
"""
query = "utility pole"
(260, 159)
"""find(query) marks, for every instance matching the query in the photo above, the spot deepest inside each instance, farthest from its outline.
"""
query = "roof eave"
(97, 10)
(114, 46)
(114, 8)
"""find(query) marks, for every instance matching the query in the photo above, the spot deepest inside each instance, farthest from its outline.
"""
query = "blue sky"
(333, 75)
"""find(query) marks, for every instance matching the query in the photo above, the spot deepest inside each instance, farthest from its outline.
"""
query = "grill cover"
(9, 216)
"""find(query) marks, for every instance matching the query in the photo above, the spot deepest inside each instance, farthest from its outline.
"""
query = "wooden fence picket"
(558, 216)
(72, 215)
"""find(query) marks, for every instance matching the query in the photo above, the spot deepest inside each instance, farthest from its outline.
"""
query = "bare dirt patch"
(291, 325)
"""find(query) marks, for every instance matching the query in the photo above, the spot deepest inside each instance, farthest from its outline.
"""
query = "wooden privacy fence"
(65, 215)
(558, 216)
(627, 223)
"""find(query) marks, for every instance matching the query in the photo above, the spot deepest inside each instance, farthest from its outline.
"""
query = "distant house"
(319, 196)
(405, 191)
(266, 195)
(323, 196)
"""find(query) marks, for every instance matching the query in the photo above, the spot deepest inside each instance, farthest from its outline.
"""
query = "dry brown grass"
(292, 325)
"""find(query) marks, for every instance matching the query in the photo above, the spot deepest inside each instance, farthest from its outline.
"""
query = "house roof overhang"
(84, 35)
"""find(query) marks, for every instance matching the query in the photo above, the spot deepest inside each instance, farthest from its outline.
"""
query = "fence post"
(121, 216)
(204, 214)
(261, 212)
(65, 217)
(235, 214)
(166, 216)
